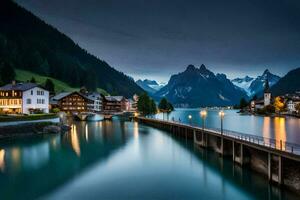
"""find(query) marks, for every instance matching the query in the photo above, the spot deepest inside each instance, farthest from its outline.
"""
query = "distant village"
(31, 98)
(288, 104)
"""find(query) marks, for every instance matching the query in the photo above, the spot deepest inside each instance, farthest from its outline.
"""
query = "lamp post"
(203, 114)
(221, 114)
(190, 119)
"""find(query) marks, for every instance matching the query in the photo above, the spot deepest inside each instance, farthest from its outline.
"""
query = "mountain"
(198, 87)
(29, 44)
(243, 83)
(290, 83)
(255, 86)
(150, 86)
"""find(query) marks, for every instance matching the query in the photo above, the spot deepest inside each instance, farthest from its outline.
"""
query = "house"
(291, 105)
(23, 98)
(133, 103)
(71, 102)
(95, 104)
(113, 104)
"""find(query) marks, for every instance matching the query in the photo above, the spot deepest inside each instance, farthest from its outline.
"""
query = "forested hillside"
(28, 43)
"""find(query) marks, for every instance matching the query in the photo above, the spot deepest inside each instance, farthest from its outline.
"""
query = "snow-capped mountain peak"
(150, 86)
(255, 85)
(243, 83)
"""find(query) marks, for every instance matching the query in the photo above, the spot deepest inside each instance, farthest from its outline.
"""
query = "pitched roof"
(60, 95)
(19, 86)
(64, 94)
(114, 98)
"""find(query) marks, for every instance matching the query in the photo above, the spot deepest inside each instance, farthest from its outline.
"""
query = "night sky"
(155, 38)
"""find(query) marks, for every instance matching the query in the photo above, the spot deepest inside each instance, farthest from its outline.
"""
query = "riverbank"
(30, 129)
(13, 118)
(268, 114)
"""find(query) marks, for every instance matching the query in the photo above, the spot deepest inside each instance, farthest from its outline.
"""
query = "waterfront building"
(261, 103)
(291, 105)
(267, 94)
(114, 104)
(23, 98)
(134, 102)
(71, 102)
(95, 105)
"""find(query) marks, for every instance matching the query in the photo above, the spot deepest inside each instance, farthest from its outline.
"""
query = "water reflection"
(74, 140)
(266, 129)
(280, 131)
(136, 130)
(36, 156)
(2, 161)
(123, 160)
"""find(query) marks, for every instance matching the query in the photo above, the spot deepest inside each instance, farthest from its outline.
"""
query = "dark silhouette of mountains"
(28, 43)
(290, 83)
(197, 87)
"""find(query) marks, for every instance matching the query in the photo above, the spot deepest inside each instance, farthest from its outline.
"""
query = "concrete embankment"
(31, 129)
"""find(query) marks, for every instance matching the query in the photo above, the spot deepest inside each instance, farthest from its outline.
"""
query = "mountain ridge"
(254, 86)
(29, 43)
(198, 87)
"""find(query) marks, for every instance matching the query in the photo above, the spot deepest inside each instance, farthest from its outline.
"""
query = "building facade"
(115, 104)
(95, 105)
(71, 102)
(23, 98)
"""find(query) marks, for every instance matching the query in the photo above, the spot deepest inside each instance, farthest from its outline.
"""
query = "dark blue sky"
(156, 38)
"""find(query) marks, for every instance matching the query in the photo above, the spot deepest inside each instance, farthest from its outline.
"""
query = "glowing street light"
(221, 114)
(190, 119)
(203, 114)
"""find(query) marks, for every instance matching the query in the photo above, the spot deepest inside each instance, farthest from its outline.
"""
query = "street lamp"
(221, 114)
(203, 114)
(190, 119)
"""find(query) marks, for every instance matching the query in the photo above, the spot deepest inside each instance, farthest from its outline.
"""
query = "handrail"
(272, 143)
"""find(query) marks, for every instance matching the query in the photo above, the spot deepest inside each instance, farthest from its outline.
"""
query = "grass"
(10, 118)
(59, 86)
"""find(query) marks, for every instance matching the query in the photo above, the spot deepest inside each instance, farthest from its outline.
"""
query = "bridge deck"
(278, 147)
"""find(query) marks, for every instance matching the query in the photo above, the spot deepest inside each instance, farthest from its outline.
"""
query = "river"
(123, 160)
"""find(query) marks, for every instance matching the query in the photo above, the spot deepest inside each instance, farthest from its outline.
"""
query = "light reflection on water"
(122, 160)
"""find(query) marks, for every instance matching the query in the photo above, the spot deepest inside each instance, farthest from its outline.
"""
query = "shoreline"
(270, 115)
(31, 129)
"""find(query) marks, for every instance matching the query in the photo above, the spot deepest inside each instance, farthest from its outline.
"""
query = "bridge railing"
(251, 138)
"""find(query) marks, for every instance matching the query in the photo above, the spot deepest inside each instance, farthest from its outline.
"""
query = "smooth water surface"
(123, 160)
(279, 128)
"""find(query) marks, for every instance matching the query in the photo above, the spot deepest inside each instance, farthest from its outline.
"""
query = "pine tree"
(49, 85)
(32, 80)
(7, 73)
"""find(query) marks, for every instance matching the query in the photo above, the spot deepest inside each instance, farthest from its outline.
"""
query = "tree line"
(147, 106)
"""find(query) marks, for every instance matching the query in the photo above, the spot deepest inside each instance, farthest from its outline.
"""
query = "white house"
(96, 102)
(26, 98)
(291, 105)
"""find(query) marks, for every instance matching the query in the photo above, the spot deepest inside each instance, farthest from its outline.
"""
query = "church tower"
(267, 94)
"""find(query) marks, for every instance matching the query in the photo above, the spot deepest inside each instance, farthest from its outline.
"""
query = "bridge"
(83, 116)
(278, 160)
